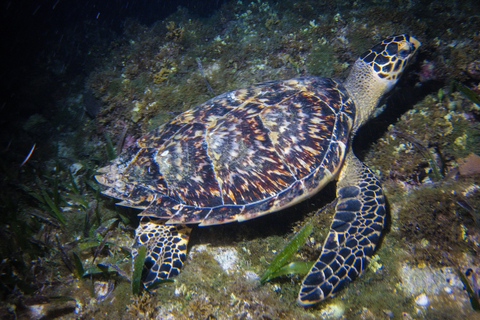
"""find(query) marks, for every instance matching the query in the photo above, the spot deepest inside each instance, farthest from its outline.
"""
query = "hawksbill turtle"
(253, 151)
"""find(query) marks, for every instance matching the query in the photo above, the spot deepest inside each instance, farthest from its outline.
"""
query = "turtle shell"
(240, 155)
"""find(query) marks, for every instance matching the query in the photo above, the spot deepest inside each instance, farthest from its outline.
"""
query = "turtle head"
(389, 58)
(377, 71)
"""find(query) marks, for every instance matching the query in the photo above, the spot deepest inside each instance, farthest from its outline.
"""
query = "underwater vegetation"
(279, 267)
(65, 249)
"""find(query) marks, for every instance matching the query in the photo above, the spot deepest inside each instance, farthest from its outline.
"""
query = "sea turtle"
(253, 151)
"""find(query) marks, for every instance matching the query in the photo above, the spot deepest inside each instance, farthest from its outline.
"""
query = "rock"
(422, 300)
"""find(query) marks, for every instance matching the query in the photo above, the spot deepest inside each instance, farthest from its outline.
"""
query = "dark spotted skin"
(240, 155)
(383, 57)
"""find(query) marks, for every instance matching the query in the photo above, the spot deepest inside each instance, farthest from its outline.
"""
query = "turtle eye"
(403, 53)
(404, 49)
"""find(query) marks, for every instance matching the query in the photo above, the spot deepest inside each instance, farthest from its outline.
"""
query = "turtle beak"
(415, 43)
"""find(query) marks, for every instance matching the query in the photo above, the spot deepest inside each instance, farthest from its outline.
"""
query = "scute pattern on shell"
(239, 155)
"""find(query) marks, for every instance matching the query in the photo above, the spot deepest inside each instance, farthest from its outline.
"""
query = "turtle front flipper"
(353, 236)
(166, 248)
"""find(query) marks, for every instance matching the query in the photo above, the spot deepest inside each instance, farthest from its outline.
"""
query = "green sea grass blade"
(95, 243)
(137, 270)
(105, 269)
(55, 211)
(157, 283)
(73, 184)
(76, 198)
(471, 294)
(112, 268)
(87, 245)
(79, 270)
(124, 218)
(35, 195)
(55, 192)
(111, 154)
(296, 267)
(94, 270)
(469, 93)
(283, 256)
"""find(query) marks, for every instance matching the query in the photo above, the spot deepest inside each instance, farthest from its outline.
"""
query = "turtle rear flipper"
(353, 236)
(166, 248)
